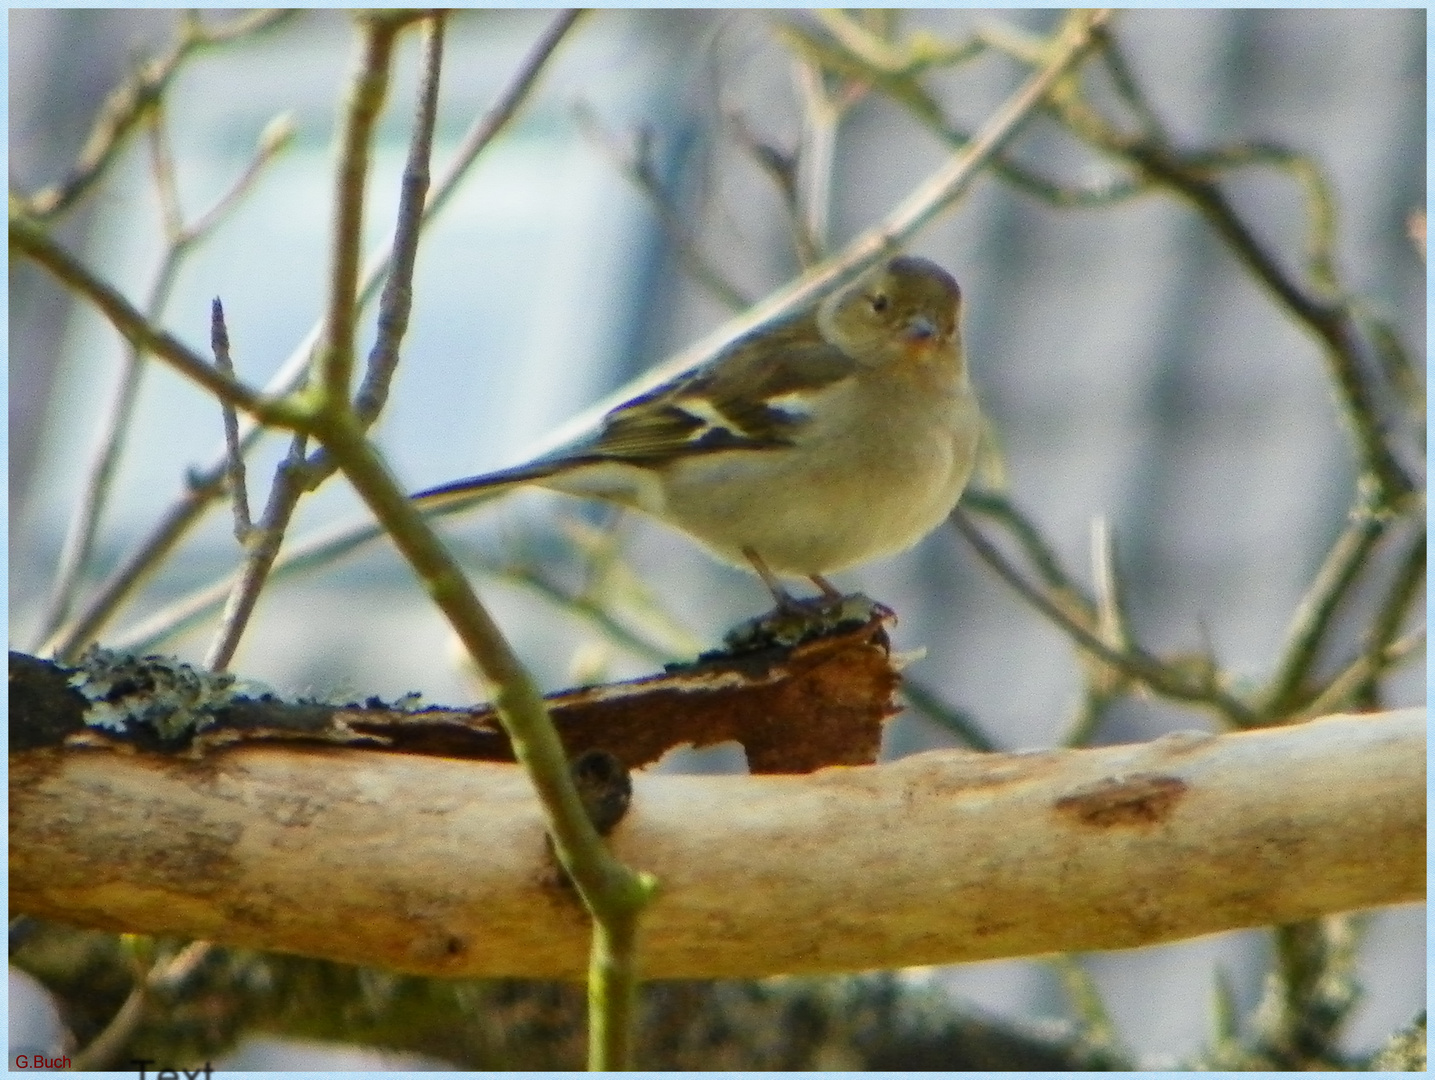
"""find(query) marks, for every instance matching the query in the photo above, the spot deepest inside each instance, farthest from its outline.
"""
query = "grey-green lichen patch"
(169, 697)
(802, 621)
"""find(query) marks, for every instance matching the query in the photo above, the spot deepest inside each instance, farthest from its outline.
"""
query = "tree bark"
(437, 866)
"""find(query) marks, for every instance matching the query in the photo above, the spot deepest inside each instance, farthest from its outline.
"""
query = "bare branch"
(238, 487)
(1165, 679)
(207, 484)
(109, 445)
(30, 239)
(130, 102)
(942, 857)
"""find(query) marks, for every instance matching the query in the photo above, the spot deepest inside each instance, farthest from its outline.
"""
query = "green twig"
(1353, 685)
(206, 484)
(613, 894)
(1028, 534)
(367, 94)
(294, 476)
(1393, 612)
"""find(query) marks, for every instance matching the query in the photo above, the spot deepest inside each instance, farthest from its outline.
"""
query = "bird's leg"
(795, 621)
(785, 601)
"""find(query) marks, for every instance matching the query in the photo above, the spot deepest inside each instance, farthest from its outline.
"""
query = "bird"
(843, 433)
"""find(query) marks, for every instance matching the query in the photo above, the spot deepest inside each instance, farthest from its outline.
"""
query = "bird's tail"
(476, 489)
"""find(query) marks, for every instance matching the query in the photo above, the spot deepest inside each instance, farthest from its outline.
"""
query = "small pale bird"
(841, 434)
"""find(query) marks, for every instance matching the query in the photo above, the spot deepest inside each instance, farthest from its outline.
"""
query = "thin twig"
(109, 445)
(29, 238)
(396, 302)
(1086, 720)
(162, 978)
(636, 165)
(273, 140)
(207, 484)
(367, 93)
(861, 57)
(1110, 615)
(166, 185)
(820, 119)
(128, 104)
(1348, 686)
(1395, 608)
(957, 721)
(1095, 1031)
(238, 485)
(999, 508)
(294, 475)
(781, 168)
(1380, 650)
(1135, 662)
(1311, 623)
(260, 551)
(1103, 683)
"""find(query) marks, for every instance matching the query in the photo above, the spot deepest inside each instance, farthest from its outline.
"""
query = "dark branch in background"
(1393, 613)
(1330, 322)
(505, 1025)
(1166, 679)
(1317, 309)
(1028, 534)
(205, 485)
(957, 721)
(1311, 624)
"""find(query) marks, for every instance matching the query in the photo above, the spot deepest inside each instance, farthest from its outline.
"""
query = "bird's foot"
(794, 621)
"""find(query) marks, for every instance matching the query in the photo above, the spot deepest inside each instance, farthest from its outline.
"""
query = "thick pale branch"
(439, 866)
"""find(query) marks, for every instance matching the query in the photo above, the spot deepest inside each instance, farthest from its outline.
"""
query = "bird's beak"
(921, 329)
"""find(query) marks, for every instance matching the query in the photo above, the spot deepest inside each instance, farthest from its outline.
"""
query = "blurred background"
(1134, 373)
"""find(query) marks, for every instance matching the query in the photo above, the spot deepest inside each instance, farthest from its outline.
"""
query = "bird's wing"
(748, 397)
(751, 396)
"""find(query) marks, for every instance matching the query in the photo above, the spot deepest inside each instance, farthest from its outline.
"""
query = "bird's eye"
(880, 303)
